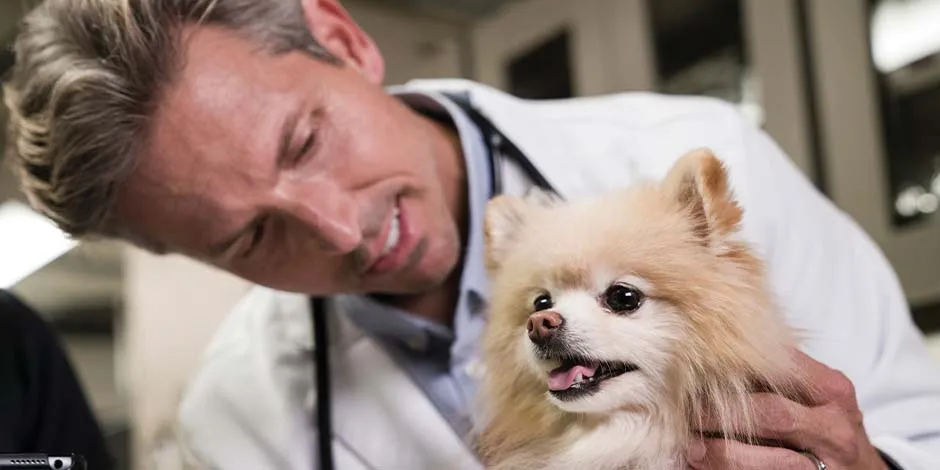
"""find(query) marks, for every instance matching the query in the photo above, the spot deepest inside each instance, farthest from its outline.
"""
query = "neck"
(618, 439)
(437, 305)
(440, 303)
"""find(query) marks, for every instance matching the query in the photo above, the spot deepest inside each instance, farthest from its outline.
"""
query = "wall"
(610, 49)
(173, 305)
(413, 46)
(771, 32)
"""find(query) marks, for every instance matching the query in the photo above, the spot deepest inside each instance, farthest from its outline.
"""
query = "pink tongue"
(561, 379)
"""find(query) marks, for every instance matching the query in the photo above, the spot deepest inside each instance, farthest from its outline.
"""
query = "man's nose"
(543, 325)
(329, 214)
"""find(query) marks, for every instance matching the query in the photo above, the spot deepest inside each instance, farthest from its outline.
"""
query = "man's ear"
(336, 30)
(698, 183)
(504, 218)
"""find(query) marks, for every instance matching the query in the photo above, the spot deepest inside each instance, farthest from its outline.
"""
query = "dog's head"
(618, 302)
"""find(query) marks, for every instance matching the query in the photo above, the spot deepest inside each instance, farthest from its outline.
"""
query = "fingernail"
(695, 452)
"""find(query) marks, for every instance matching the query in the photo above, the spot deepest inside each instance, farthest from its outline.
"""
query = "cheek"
(647, 337)
(524, 349)
(515, 351)
(365, 134)
(292, 272)
(653, 336)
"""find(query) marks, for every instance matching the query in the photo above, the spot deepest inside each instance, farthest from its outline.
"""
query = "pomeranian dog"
(616, 322)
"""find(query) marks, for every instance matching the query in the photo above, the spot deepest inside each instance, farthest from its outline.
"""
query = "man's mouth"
(579, 376)
(392, 255)
(394, 233)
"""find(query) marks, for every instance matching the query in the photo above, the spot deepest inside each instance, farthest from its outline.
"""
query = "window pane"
(905, 45)
(544, 71)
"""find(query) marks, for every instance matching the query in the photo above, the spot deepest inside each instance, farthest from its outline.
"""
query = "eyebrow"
(281, 157)
(287, 132)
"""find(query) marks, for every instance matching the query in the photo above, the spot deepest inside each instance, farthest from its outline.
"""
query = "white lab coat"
(251, 402)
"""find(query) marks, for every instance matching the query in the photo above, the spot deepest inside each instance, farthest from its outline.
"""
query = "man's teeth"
(394, 233)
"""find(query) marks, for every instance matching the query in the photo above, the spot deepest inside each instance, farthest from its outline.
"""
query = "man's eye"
(257, 236)
(305, 148)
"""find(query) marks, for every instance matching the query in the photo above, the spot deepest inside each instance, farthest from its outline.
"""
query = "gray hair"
(86, 79)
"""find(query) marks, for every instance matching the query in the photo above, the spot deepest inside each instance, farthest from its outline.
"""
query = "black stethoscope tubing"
(498, 146)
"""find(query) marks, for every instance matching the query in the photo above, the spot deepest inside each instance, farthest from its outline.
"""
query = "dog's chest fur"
(626, 441)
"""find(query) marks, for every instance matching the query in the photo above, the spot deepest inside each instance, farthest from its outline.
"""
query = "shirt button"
(417, 342)
(474, 369)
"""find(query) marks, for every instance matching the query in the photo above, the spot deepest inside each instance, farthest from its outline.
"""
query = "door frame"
(855, 152)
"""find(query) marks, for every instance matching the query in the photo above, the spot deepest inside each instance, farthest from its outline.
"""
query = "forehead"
(635, 232)
(211, 133)
(227, 96)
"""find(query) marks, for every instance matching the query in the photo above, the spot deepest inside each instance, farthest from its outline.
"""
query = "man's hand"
(829, 426)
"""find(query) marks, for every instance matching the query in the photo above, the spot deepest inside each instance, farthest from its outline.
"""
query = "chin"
(434, 267)
(615, 321)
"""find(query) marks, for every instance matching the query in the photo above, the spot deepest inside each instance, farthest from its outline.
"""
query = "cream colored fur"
(707, 333)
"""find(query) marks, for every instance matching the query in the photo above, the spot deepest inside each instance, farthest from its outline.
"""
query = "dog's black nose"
(543, 325)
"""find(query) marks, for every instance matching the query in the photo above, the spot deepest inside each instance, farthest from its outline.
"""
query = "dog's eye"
(623, 298)
(542, 302)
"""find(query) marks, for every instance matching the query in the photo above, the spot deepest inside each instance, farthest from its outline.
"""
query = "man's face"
(296, 174)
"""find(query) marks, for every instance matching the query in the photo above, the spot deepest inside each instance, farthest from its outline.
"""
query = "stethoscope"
(499, 147)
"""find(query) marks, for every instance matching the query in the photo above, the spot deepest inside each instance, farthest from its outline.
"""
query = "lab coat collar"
(548, 151)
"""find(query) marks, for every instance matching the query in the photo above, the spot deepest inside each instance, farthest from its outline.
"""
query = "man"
(42, 405)
(257, 137)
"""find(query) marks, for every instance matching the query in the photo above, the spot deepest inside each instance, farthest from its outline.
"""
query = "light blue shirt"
(440, 359)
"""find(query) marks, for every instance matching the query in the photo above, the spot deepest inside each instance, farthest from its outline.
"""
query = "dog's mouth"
(579, 376)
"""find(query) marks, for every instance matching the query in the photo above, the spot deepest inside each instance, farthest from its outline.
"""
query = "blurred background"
(849, 88)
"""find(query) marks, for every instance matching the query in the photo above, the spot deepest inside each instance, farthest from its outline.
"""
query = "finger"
(769, 416)
(777, 421)
(724, 454)
(826, 385)
(772, 420)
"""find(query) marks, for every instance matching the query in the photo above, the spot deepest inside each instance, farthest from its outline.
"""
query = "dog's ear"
(698, 183)
(504, 217)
